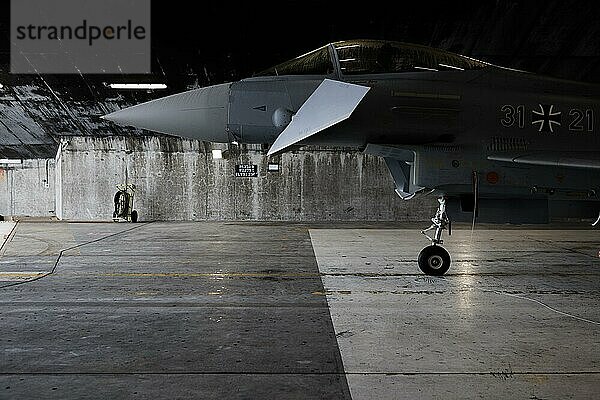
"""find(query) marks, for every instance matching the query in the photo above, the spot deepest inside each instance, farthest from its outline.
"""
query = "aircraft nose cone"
(197, 114)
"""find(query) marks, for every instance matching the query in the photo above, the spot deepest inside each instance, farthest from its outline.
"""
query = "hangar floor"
(259, 310)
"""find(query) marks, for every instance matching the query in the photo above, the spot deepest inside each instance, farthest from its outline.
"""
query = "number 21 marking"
(578, 117)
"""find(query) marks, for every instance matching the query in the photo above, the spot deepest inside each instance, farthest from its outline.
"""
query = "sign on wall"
(246, 171)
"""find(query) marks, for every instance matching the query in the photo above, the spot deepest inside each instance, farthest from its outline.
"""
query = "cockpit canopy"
(316, 62)
(356, 57)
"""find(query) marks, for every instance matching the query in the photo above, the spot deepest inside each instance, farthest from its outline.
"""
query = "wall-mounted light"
(347, 46)
(451, 66)
(426, 69)
(137, 86)
(1, 86)
(10, 161)
(217, 154)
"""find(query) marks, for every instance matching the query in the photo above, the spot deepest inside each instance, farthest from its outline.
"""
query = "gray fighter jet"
(492, 142)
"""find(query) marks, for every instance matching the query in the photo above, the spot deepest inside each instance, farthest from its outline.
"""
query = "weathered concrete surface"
(186, 311)
(28, 189)
(517, 316)
(177, 179)
(237, 310)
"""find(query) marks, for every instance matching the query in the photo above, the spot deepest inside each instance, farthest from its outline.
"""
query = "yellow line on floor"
(22, 274)
(19, 276)
(211, 275)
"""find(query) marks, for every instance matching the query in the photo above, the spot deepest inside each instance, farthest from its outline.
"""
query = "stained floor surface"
(259, 310)
(188, 310)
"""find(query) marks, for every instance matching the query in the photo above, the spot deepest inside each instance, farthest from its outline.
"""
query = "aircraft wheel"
(134, 216)
(434, 260)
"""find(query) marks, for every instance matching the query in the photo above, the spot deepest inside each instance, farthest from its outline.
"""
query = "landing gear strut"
(434, 259)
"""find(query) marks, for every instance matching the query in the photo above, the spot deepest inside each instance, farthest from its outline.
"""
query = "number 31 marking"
(513, 115)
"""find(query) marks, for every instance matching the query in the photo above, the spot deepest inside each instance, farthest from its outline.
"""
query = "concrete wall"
(178, 179)
(28, 189)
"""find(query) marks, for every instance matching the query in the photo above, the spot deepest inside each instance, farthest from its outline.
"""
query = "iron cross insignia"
(546, 117)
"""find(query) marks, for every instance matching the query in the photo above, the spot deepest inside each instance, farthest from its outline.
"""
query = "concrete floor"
(258, 310)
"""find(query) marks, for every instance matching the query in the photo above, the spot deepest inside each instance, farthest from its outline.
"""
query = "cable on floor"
(37, 278)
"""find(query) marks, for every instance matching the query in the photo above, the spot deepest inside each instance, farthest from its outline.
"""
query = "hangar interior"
(54, 139)
(297, 283)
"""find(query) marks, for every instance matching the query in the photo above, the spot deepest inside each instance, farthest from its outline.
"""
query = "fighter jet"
(494, 143)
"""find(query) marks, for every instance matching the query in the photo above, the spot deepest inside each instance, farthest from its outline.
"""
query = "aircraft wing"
(331, 103)
(585, 160)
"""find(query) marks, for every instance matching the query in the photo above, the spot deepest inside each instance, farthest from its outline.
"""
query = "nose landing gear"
(434, 259)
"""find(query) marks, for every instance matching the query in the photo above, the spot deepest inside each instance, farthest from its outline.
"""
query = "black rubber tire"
(434, 260)
(134, 216)
(121, 204)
